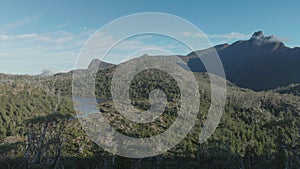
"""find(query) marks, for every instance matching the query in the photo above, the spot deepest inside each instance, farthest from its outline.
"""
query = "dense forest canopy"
(39, 127)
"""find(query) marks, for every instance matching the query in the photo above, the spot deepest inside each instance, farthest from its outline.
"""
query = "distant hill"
(260, 63)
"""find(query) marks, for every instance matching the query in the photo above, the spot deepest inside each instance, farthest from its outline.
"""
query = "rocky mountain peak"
(258, 38)
(258, 34)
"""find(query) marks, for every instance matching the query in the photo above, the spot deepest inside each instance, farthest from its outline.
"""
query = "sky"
(49, 35)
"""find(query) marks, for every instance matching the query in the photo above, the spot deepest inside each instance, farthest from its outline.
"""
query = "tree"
(45, 138)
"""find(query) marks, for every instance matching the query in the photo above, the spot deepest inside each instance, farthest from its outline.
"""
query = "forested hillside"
(39, 128)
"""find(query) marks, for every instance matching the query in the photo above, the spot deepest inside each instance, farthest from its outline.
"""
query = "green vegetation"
(39, 129)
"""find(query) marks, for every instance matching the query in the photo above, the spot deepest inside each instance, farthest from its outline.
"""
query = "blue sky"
(40, 35)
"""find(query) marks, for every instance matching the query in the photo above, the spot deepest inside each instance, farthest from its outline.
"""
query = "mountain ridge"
(259, 63)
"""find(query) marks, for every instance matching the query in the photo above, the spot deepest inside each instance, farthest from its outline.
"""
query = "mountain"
(260, 63)
(102, 65)
(47, 73)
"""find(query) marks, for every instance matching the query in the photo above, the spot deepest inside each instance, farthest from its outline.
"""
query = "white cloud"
(26, 36)
(61, 25)
(266, 39)
(130, 47)
(186, 33)
(34, 52)
(15, 24)
(231, 35)
(50, 39)
(58, 50)
(4, 37)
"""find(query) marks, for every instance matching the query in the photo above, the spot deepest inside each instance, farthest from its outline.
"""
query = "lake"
(86, 105)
